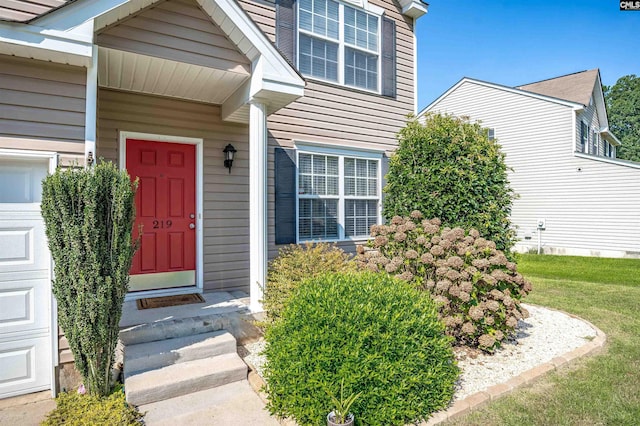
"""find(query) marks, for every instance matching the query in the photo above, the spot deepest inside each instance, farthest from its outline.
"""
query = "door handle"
(192, 226)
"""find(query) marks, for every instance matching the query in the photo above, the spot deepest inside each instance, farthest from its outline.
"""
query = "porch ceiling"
(122, 70)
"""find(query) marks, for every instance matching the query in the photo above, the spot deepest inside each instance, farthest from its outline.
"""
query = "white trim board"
(464, 80)
(199, 143)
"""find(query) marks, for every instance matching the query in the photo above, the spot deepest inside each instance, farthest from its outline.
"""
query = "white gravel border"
(545, 335)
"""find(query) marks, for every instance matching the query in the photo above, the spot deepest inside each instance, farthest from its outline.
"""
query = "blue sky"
(518, 42)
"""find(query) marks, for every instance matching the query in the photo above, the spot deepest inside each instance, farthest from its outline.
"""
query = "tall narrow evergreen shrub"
(89, 215)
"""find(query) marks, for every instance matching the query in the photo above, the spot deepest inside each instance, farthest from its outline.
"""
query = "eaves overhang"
(66, 36)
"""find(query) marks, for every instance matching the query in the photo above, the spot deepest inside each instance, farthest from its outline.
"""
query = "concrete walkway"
(27, 410)
(232, 404)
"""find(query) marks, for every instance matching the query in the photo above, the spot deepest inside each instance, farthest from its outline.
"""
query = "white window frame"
(367, 8)
(341, 154)
(584, 127)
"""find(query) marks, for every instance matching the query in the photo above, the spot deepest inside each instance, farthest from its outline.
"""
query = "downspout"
(91, 109)
(415, 69)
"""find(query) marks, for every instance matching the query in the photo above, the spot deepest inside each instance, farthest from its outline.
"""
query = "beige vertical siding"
(226, 196)
(591, 207)
(335, 114)
(42, 106)
(177, 30)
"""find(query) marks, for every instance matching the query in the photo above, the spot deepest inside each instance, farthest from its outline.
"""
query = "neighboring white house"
(575, 196)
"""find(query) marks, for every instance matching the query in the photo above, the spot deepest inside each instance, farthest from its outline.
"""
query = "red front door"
(166, 210)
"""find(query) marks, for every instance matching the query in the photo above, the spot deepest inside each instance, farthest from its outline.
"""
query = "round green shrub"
(448, 168)
(477, 288)
(296, 263)
(378, 334)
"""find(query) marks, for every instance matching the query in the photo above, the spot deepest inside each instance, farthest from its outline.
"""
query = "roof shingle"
(576, 87)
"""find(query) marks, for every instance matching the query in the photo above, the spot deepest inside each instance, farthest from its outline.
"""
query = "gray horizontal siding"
(176, 30)
(338, 115)
(42, 106)
(590, 207)
(226, 196)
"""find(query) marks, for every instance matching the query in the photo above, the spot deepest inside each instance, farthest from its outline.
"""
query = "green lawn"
(600, 390)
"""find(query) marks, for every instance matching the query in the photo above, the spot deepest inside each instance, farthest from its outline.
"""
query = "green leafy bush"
(448, 168)
(296, 263)
(477, 288)
(74, 409)
(89, 215)
(378, 334)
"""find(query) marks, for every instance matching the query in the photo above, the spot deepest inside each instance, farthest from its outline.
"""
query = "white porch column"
(257, 202)
(91, 108)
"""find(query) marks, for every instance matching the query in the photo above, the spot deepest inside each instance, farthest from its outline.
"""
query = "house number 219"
(161, 224)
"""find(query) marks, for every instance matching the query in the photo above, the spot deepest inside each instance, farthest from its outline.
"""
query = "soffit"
(129, 71)
(23, 11)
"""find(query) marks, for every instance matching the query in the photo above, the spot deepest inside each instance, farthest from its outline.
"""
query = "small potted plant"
(340, 416)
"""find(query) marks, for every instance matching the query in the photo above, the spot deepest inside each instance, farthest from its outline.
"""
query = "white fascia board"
(272, 84)
(598, 97)
(429, 107)
(413, 8)
(263, 87)
(227, 14)
(606, 133)
(44, 43)
(277, 65)
(75, 14)
(616, 161)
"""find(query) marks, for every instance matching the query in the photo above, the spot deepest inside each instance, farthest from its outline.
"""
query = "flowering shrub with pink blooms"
(477, 288)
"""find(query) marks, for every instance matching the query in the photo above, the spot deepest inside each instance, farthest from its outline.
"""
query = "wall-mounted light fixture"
(229, 152)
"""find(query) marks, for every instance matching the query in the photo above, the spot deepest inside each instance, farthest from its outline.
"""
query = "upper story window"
(595, 142)
(584, 137)
(338, 195)
(339, 43)
(609, 150)
(346, 42)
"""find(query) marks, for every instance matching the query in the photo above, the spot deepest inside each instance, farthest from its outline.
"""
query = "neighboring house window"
(584, 137)
(491, 134)
(339, 43)
(338, 196)
(594, 142)
(609, 150)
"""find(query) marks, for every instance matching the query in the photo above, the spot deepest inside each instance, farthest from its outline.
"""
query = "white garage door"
(25, 280)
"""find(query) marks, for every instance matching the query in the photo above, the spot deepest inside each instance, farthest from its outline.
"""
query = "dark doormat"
(163, 302)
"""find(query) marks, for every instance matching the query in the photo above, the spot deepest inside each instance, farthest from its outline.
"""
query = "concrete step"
(231, 404)
(238, 323)
(184, 378)
(151, 355)
(239, 294)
